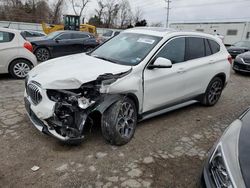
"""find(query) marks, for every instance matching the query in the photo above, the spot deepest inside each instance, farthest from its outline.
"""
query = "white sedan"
(15, 54)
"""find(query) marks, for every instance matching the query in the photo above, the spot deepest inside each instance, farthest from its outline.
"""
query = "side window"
(195, 48)
(65, 36)
(174, 50)
(215, 47)
(80, 36)
(6, 37)
(207, 48)
(117, 33)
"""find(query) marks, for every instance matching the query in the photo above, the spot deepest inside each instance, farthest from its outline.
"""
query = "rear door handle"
(211, 61)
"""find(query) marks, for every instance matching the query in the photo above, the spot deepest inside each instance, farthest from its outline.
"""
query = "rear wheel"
(119, 122)
(213, 92)
(42, 54)
(20, 68)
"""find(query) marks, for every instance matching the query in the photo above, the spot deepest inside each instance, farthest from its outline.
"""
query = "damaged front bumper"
(69, 133)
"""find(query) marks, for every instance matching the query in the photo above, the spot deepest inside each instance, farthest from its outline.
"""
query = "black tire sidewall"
(13, 63)
(109, 123)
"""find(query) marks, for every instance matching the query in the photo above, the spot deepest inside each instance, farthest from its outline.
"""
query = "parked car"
(61, 43)
(32, 35)
(228, 164)
(239, 48)
(109, 34)
(242, 63)
(134, 76)
(16, 53)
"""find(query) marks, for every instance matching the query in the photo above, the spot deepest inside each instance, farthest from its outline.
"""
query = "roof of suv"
(162, 32)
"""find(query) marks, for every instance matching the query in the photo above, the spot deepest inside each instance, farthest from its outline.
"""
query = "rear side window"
(195, 48)
(6, 37)
(173, 50)
(215, 47)
(207, 48)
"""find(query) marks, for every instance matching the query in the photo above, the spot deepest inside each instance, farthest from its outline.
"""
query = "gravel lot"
(167, 151)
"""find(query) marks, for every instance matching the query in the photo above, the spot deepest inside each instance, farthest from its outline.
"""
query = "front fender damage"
(73, 108)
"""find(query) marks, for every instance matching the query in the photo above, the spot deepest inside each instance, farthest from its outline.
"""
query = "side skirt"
(168, 108)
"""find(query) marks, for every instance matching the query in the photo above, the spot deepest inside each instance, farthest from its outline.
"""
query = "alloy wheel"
(42, 54)
(215, 92)
(126, 120)
(21, 69)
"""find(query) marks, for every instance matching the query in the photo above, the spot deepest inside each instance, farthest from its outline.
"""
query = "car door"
(199, 64)
(166, 86)
(81, 42)
(7, 44)
(62, 45)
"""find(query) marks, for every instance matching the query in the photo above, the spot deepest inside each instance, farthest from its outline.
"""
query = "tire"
(119, 122)
(42, 54)
(20, 68)
(213, 92)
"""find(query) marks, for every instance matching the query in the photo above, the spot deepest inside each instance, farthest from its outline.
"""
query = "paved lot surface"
(167, 151)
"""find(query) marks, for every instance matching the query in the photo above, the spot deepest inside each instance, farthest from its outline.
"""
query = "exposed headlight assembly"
(219, 170)
(224, 164)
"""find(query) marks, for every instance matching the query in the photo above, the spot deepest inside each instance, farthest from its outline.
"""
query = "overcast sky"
(186, 10)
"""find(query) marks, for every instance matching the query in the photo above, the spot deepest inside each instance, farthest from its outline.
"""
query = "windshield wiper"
(104, 58)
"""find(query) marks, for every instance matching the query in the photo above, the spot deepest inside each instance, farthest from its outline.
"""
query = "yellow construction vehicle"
(71, 22)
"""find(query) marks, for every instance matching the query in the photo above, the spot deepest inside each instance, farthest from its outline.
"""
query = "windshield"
(242, 44)
(127, 48)
(52, 35)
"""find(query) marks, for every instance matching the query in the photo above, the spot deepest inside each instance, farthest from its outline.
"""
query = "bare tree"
(125, 13)
(138, 15)
(57, 11)
(79, 4)
(110, 15)
(100, 10)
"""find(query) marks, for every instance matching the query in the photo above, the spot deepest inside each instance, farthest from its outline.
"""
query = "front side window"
(6, 37)
(195, 48)
(174, 50)
(80, 36)
(127, 48)
(65, 36)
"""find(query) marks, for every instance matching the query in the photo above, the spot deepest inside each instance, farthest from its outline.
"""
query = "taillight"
(28, 46)
(230, 59)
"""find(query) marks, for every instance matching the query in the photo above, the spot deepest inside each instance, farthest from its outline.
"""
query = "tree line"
(109, 13)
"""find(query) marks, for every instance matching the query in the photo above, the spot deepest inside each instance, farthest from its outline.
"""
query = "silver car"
(15, 54)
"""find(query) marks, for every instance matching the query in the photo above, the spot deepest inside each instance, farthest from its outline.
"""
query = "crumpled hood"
(70, 72)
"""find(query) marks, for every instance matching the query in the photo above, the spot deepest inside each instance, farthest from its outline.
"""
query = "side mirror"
(161, 63)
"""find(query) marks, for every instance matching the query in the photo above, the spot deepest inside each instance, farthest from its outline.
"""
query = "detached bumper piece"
(46, 128)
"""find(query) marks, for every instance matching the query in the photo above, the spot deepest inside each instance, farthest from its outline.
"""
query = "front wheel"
(213, 92)
(20, 68)
(119, 122)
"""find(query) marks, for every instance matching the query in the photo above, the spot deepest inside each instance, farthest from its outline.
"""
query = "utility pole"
(168, 10)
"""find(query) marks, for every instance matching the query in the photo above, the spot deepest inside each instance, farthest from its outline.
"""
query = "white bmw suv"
(138, 74)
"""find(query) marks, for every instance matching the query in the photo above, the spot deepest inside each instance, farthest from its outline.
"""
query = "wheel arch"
(12, 61)
(222, 76)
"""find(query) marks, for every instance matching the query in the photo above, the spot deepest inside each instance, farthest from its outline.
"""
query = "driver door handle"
(181, 70)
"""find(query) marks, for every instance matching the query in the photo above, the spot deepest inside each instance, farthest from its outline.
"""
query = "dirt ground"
(166, 151)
